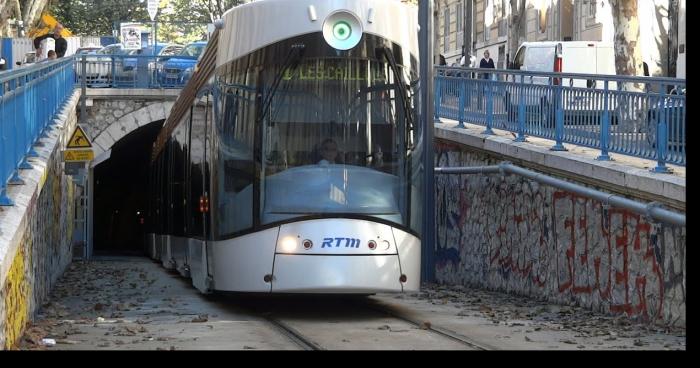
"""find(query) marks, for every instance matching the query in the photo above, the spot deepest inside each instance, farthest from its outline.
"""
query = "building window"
(460, 25)
(542, 20)
(460, 16)
(446, 30)
(488, 19)
(592, 8)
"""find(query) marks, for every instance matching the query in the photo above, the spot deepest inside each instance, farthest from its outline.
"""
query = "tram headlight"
(289, 244)
(342, 30)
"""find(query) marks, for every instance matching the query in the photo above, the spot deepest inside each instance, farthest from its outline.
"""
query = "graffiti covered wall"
(512, 234)
(42, 240)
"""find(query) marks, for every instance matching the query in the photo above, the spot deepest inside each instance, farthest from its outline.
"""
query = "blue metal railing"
(637, 116)
(133, 71)
(29, 99)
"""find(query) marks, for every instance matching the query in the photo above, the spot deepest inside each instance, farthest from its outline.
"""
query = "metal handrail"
(603, 77)
(652, 210)
(29, 100)
(597, 111)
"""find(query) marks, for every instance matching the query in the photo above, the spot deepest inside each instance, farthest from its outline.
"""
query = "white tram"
(299, 169)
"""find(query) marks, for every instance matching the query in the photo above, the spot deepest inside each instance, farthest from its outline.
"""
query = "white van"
(566, 57)
(584, 57)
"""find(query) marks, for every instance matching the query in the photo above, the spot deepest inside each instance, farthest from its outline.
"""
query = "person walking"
(486, 63)
(61, 45)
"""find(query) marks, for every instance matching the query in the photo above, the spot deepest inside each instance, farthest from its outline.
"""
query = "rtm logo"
(349, 242)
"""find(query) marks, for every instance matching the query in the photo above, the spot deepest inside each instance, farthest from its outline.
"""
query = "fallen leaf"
(200, 318)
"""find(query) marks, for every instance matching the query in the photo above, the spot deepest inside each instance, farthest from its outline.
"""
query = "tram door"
(199, 198)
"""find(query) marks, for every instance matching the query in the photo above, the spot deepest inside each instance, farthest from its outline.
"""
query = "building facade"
(481, 25)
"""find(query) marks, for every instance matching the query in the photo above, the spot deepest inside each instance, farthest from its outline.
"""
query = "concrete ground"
(131, 303)
(511, 322)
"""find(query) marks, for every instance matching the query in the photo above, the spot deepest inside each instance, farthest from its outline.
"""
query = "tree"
(628, 57)
(515, 27)
(97, 17)
(28, 11)
(628, 61)
(184, 21)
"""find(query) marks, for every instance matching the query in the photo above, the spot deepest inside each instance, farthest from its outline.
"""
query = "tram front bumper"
(351, 274)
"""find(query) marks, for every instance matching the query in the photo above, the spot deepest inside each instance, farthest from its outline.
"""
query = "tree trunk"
(32, 12)
(631, 112)
(628, 58)
(518, 16)
(8, 9)
(436, 34)
(673, 17)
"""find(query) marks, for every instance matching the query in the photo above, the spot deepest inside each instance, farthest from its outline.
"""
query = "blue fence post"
(661, 134)
(462, 98)
(4, 154)
(559, 117)
(489, 107)
(113, 84)
(521, 112)
(605, 127)
(438, 98)
(16, 143)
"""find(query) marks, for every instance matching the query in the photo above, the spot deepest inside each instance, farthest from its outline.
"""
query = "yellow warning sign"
(78, 155)
(79, 139)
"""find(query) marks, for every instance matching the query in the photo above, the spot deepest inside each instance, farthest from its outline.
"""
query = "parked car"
(87, 50)
(585, 57)
(673, 111)
(171, 72)
(162, 51)
(98, 68)
(28, 59)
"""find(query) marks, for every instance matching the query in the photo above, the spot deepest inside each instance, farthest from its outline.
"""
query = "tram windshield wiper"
(291, 62)
(403, 91)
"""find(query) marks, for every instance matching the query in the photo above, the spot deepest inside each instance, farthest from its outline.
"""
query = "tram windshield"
(334, 141)
(335, 137)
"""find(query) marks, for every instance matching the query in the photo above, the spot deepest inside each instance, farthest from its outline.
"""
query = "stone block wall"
(36, 233)
(512, 234)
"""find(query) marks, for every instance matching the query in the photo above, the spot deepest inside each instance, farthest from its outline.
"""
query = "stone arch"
(128, 123)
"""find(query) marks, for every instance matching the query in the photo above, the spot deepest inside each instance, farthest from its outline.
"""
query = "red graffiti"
(621, 279)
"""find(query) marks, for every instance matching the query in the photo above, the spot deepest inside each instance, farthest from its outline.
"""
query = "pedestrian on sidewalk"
(61, 45)
(486, 63)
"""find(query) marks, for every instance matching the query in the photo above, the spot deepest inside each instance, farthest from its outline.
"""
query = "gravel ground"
(138, 305)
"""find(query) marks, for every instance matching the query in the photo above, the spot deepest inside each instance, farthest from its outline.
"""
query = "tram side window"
(197, 136)
(235, 132)
(178, 181)
(166, 213)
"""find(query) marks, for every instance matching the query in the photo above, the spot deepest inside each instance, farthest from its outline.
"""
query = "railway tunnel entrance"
(121, 194)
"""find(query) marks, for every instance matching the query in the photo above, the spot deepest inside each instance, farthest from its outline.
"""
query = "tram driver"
(329, 152)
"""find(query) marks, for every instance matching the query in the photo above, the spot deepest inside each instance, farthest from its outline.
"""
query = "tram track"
(292, 333)
(306, 329)
(372, 304)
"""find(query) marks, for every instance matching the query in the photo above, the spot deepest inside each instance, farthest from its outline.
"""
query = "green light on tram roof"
(342, 30)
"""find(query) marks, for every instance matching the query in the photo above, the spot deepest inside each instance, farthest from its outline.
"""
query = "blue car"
(172, 72)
